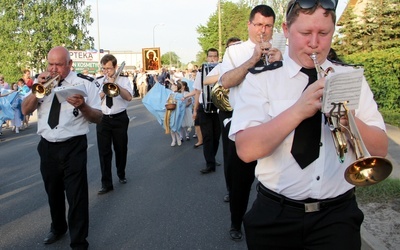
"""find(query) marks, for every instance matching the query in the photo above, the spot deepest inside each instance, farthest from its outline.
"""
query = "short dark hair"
(212, 50)
(264, 10)
(232, 40)
(108, 58)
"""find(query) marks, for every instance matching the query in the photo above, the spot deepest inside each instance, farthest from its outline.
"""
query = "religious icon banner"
(151, 59)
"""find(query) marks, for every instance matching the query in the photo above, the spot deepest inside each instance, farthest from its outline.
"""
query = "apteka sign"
(83, 56)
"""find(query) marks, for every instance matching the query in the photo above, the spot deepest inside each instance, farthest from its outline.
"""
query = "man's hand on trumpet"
(110, 79)
(310, 100)
(273, 55)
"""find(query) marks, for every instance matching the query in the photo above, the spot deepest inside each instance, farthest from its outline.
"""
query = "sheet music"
(64, 92)
(342, 87)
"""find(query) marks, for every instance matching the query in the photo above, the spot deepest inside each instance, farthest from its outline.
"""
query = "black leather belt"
(115, 115)
(63, 142)
(309, 205)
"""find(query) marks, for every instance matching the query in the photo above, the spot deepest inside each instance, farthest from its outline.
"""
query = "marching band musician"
(238, 58)
(63, 147)
(303, 201)
(113, 129)
(209, 122)
(212, 78)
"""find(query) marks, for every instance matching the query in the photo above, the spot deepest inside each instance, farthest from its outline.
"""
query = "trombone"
(366, 170)
(43, 89)
(112, 89)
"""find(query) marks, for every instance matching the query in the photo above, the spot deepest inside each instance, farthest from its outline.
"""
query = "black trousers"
(225, 142)
(211, 131)
(240, 178)
(112, 131)
(63, 168)
(272, 225)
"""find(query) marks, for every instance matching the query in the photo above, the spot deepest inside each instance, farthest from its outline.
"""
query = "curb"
(370, 242)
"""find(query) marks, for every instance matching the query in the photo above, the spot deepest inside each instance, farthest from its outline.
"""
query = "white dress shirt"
(235, 55)
(119, 104)
(69, 125)
(280, 89)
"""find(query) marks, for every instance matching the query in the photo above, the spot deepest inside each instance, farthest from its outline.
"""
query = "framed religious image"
(151, 58)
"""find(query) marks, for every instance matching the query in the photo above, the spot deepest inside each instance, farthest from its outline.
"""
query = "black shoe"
(105, 190)
(122, 181)
(227, 198)
(197, 145)
(207, 170)
(235, 234)
(52, 237)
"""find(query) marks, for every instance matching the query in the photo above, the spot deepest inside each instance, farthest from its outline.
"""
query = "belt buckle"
(312, 207)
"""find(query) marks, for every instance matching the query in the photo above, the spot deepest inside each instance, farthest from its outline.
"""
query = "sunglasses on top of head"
(308, 4)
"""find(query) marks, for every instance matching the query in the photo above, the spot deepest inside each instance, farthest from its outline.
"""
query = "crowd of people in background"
(140, 80)
(11, 97)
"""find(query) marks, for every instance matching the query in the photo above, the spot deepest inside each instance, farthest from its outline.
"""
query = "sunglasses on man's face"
(308, 4)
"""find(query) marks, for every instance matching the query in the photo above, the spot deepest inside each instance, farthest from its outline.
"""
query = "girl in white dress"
(187, 122)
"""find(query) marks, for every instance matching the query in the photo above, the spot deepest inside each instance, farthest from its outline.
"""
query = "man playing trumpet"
(303, 202)
(113, 129)
(62, 148)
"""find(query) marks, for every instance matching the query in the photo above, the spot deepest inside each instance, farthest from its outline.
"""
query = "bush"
(382, 71)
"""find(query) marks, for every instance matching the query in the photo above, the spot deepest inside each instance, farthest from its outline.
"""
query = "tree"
(377, 29)
(170, 59)
(30, 28)
(233, 24)
(381, 24)
(348, 39)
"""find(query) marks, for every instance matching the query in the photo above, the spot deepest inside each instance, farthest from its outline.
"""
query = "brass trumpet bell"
(41, 90)
(368, 171)
(111, 89)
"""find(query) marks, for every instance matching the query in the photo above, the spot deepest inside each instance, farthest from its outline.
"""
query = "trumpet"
(112, 89)
(366, 170)
(43, 89)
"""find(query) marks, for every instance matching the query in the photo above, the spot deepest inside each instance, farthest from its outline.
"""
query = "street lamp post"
(154, 41)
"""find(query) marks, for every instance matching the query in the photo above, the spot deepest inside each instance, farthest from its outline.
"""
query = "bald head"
(59, 61)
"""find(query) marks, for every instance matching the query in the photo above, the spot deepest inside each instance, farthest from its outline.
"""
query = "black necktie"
(307, 136)
(109, 101)
(54, 114)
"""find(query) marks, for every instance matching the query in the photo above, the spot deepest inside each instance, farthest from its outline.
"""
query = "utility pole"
(219, 31)
(98, 34)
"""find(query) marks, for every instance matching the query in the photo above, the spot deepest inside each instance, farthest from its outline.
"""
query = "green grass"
(384, 191)
(391, 117)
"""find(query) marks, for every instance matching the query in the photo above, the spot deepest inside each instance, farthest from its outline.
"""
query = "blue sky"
(129, 24)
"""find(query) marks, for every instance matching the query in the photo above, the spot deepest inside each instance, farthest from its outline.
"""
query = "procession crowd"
(11, 97)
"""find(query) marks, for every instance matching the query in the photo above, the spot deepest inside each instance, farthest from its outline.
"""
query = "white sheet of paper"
(64, 92)
(342, 87)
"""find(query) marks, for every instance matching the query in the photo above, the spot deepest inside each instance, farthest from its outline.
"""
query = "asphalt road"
(166, 204)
